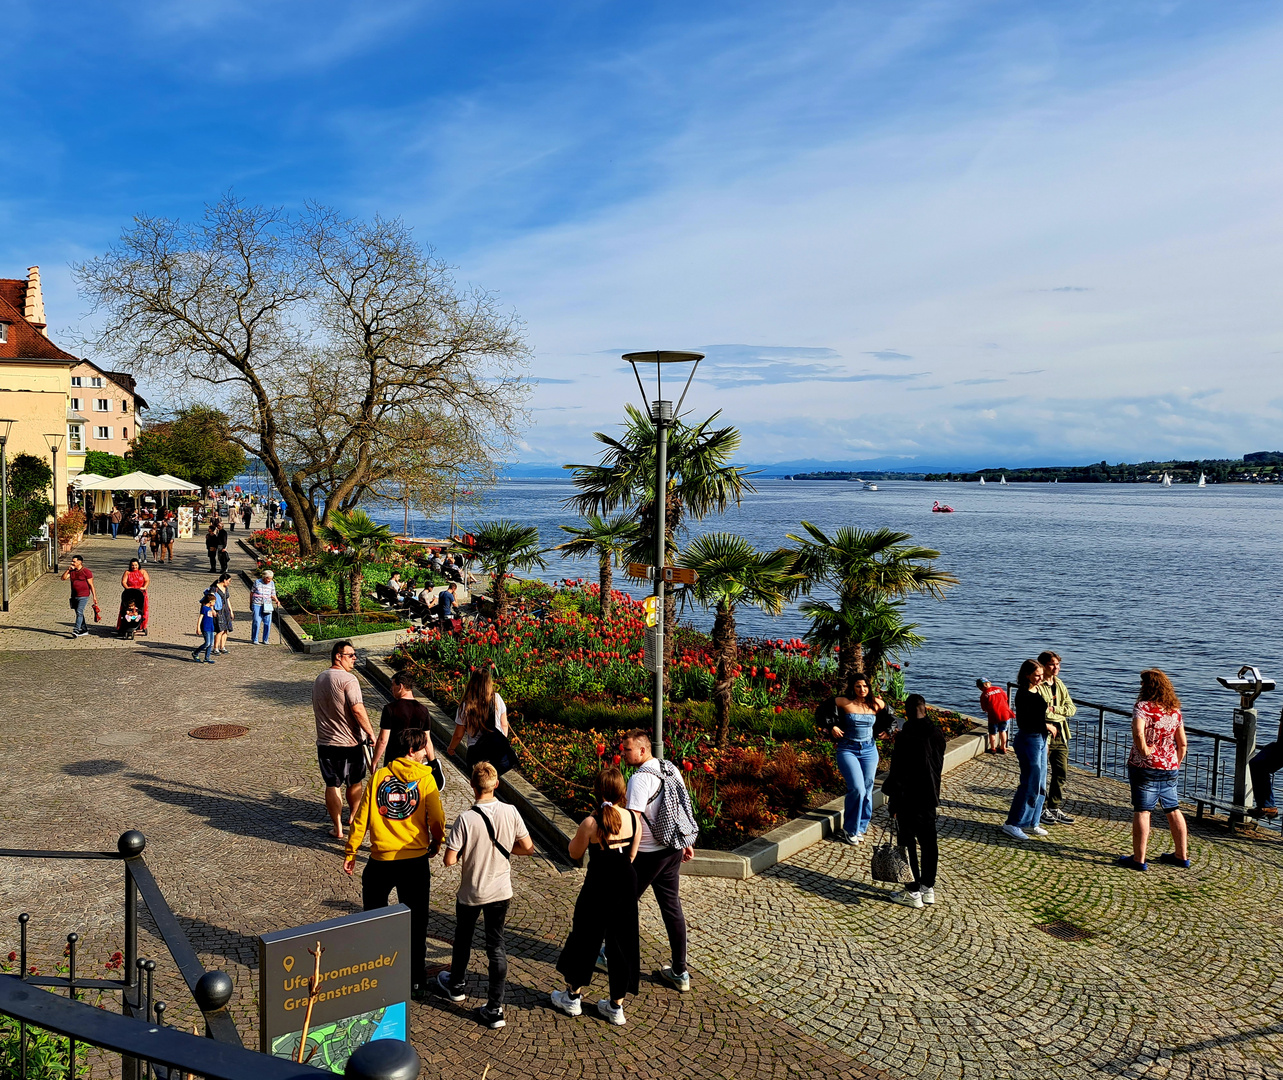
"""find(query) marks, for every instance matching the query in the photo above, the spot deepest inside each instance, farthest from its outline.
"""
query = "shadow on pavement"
(94, 767)
(843, 890)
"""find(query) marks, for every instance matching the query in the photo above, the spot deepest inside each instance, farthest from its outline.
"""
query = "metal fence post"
(1100, 742)
(130, 845)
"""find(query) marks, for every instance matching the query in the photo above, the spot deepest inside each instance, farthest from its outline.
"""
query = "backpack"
(673, 823)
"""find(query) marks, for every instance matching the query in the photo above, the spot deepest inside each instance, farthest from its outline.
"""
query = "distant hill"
(1217, 471)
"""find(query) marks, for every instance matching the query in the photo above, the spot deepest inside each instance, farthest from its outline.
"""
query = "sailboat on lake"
(1003, 480)
(982, 481)
(1202, 479)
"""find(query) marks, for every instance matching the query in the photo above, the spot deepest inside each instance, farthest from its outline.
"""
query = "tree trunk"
(725, 645)
(850, 658)
(605, 578)
(500, 595)
(343, 593)
(355, 583)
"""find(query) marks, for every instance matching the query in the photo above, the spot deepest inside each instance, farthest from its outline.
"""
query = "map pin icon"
(289, 963)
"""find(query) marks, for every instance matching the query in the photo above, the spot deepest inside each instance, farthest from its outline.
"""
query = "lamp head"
(5, 427)
(54, 441)
(660, 410)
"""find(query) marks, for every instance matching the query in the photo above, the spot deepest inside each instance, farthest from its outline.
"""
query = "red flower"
(618, 759)
(601, 749)
(779, 709)
(687, 766)
(708, 767)
(13, 956)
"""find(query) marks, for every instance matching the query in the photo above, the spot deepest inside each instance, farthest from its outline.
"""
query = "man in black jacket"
(912, 788)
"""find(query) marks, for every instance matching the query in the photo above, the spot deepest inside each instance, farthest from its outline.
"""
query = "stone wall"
(26, 567)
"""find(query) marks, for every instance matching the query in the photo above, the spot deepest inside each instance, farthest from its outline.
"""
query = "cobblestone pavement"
(804, 971)
(1182, 978)
(237, 840)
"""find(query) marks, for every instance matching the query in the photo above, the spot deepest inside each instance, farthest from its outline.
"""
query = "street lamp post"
(5, 427)
(662, 414)
(53, 442)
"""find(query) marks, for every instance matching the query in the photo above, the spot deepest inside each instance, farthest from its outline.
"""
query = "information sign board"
(361, 994)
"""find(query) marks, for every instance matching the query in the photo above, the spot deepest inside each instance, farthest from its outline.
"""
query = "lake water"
(1114, 577)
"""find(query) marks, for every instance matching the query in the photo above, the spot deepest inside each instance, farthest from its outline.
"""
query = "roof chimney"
(34, 310)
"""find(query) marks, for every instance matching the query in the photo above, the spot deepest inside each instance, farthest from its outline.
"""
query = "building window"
(102, 433)
(75, 439)
(95, 382)
(77, 380)
(77, 404)
(124, 407)
(102, 404)
(4, 331)
(124, 434)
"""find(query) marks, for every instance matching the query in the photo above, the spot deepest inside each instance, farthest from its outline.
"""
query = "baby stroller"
(130, 619)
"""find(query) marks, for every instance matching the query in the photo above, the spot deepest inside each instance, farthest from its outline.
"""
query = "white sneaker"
(612, 1013)
(571, 1006)
(928, 896)
(909, 899)
(1015, 832)
(1038, 830)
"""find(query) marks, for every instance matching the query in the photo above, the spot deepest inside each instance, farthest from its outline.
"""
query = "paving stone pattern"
(805, 971)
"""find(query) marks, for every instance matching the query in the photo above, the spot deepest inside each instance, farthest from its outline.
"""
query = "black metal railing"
(1208, 770)
(148, 1048)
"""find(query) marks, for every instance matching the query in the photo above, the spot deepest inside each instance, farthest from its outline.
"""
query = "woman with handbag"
(855, 718)
(1032, 732)
(262, 605)
(912, 788)
(481, 723)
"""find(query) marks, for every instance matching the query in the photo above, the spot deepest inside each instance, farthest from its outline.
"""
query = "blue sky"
(935, 232)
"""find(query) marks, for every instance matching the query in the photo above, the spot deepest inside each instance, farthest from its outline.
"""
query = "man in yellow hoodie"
(406, 827)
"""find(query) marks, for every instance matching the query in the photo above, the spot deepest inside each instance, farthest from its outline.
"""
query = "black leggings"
(661, 872)
(918, 830)
(412, 880)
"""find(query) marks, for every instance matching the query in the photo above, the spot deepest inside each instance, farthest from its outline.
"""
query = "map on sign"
(330, 1045)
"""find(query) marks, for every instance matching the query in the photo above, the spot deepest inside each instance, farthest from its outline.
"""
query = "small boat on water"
(1003, 480)
(1167, 480)
(869, 485)
(982, 481)
(1202, 479)
(936, 508)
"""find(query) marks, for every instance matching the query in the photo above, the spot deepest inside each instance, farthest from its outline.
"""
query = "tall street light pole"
(662, 414)
(5, 427)
(53, 442)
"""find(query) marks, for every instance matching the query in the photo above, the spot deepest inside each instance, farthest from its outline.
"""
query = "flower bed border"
(556, 828)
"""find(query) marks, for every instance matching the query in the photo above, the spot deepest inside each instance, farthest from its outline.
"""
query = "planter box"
(556, 829)
(300, 640)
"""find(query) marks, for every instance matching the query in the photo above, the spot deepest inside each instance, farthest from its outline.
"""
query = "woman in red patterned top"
(1158, 748)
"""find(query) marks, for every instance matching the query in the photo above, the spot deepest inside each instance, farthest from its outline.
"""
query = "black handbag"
(890, 861)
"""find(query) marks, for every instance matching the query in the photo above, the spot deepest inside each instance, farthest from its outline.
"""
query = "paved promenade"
(806, 971)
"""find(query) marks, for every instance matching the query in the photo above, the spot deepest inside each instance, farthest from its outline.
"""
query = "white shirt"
(500, 719)
(645, 783)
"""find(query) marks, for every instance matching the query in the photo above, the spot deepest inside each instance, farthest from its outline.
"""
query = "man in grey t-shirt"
(481, 841)
(342, 729)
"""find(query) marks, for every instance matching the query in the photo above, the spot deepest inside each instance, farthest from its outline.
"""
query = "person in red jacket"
(993, 699)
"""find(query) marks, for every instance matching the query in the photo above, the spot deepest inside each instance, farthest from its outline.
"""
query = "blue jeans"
(1026, 807)
(208, 646)
(82, 602)
(257, 619)
(1264, 764)
(115, 528)
(142, 554)
(858, 763)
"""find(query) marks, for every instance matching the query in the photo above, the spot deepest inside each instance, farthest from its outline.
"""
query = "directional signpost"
(653, 655)
(672, 575)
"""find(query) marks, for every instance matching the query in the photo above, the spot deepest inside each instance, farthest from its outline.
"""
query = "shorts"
(998, 727)
(341, 766)
(1153, 787)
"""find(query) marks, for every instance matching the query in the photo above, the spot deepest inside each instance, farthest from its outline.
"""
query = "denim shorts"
(1153, 787)
(998, 727)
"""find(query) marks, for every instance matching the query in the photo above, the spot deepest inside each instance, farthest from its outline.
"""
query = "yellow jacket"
(407, 809)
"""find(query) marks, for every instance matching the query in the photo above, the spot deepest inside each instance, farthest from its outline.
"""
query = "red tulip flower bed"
(574, 685)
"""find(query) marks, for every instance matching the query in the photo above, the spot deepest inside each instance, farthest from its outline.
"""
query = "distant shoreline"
(1262, 468)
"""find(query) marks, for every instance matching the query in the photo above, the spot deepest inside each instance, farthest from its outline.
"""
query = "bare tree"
(350, 362)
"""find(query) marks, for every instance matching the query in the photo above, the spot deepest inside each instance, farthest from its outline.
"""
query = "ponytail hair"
(609, 787)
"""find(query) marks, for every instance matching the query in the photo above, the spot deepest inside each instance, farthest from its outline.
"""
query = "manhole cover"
(219, 731)
(1065, 931)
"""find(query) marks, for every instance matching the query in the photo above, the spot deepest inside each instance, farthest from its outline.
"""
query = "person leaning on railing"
(1060, 709)
(1264, 764)
(1153, 767)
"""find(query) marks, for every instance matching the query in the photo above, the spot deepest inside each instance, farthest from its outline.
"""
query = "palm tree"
(879, 628)
(608, 539)
(502, 547)
(863, 567)
(732, 572)
(359, 539)
(701, 479)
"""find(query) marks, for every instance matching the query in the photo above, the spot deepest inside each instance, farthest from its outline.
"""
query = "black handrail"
(152, 1042)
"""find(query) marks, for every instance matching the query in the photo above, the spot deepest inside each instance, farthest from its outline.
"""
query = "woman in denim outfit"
(1158, 748)
(1032, 732)
(262, 604)
(857, 719)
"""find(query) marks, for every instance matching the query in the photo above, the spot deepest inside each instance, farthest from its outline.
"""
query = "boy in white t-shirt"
(482, 840)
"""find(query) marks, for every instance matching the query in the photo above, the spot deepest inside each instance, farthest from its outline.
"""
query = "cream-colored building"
(35, 379)
(48, 391)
